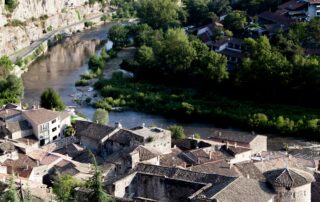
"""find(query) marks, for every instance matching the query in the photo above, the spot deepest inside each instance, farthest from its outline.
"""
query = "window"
(54, 129)
(54, 138)
(54, 121)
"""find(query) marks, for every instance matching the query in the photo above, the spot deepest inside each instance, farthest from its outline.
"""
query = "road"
(25, 51)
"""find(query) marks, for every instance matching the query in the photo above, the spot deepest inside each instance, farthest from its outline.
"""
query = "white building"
(46, 125)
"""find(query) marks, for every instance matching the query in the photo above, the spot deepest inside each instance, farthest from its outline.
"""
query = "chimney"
(34, 107)
(210, 155)
(220, 134)
(227, 145)
(118, 125)
(248, 176)
(38, 163)
(235, 145)
(143, 125)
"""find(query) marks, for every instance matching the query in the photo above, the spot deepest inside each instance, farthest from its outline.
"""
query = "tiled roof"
(235, 150)
(292, 5)
(275, 18)
(288, 178)
(39, 116)
(241, 189)
(181, 174)
(144, 154)
(9, 113)
(18, 126)
(22, 167)
(48, 159)
(92, 130)
(282, 162)
(123, 137)
(6, 147)
(172, 159)
(233, 136)
(220, 167)
(249, 170)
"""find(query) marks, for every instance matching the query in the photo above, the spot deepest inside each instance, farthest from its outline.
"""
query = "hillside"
(28, 20)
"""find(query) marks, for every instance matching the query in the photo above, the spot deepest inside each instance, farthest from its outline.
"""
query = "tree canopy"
(160, 13)
(50, 99)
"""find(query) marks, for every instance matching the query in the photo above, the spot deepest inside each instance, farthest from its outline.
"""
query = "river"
(65, 62)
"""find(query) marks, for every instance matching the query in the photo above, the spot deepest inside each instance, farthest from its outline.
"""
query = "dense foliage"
(11, 4)
(161, 13)
(101, 116)
(177, 132)
(176, 74)
(50, 99)
(11, 90)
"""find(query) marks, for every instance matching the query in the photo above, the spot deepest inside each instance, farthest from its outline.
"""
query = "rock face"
(39, 17)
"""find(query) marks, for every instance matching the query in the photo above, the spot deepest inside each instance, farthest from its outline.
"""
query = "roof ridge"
(229, 184)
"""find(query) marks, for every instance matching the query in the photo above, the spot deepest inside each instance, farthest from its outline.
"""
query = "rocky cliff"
(31, 19)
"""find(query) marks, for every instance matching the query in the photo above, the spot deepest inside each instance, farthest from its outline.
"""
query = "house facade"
(45, 125)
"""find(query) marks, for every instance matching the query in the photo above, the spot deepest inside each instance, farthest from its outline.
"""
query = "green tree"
(104, 18)
(50, 99)
(95, 63)
(145, 56)
(118, 34)
(235, 21)
(64, 186)
(176, 51)
(11, 195)
(160, 13)
(104, 55)
(6, 66)
(11, 4)
(28, 197)
(177, 132)
(69, 131)
(101, 116)
(198, 11)
(95, 183)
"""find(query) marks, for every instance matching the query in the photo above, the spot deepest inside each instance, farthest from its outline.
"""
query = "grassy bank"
(191, 104)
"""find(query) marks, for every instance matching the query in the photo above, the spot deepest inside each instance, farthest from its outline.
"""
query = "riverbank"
(190, 104)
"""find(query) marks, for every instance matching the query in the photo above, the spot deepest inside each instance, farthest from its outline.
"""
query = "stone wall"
(40, 16)
(259, 144)
(298, 194)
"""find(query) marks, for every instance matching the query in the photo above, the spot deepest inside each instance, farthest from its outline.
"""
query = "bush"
(10, 5)
(177, 132)
(88, 24)
(82, 82)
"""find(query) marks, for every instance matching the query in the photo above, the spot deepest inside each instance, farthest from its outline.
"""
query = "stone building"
(158, 183)
(107, 140)
(290, 184)
(257, 143)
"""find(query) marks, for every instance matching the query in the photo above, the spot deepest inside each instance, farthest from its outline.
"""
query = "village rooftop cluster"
(145, 164)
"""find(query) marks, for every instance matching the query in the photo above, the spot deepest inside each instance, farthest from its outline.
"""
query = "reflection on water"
(62, 66)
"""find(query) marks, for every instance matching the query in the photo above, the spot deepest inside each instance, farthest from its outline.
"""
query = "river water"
(65, 62)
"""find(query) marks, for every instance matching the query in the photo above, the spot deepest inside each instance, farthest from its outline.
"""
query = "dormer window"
(53, 121)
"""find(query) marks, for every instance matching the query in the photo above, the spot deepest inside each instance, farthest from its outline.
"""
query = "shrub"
(82, 82)
(177, 132)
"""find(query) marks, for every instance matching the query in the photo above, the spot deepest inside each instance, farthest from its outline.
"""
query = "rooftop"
(6, 147)
(92, 130)
(288, 178)
(41, 115)
(9, 113)
(181, 174)
(18, 126)
(240, 189)
(233, 136)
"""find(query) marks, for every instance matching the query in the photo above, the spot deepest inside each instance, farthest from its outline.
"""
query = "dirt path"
(114, 64)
